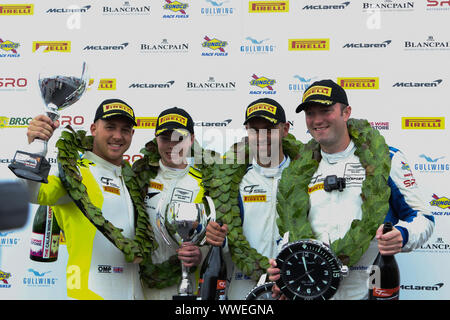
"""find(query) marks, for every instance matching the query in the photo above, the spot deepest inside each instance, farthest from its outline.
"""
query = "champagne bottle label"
(45, 245)
(48, 234)
(220, 289)
(37, 244)
(386, 294)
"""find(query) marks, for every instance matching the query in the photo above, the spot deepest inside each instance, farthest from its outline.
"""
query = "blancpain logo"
(383, 44)
(429, 44)
(389, 5)
(432, 84)
(211, 84)
(137, 85)
(165, 47)
(106, 48)
(126, 9)
(327, 6)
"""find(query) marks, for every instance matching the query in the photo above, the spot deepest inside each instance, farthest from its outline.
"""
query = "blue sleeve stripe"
(405, 234)
(400, 208)
(241, 207)
(429, 217)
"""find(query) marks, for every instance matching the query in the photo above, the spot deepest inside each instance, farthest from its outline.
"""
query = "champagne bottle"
(387, 282)
(213, 276)
(45, 236)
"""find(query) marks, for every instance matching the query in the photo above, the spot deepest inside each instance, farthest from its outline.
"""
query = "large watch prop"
(309, 270)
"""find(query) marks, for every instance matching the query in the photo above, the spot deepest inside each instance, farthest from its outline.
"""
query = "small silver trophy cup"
(183, 222)
(58, 93)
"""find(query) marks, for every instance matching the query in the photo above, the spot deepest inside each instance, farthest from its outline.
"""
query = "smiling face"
(265, 140)
(173, 148)
(112, 138)
(328, 125)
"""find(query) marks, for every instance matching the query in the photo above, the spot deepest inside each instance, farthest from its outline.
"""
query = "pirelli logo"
(255, 198)
(16, 9)
(316, 187)
(268, 6)
(156, 185)
(107, 84)
(423, 123)
(146, 122)
(111, 190)
(55, 46)
(309, 44)
(359, 83)
(317, 90)
(173, 118)
(262, 106)
(117, 106)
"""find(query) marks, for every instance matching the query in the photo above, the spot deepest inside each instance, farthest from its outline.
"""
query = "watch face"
(263, 292)
(308, 271)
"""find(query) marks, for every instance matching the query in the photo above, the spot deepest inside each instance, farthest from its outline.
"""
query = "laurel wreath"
(222, 181)
(167, 273)
(69, 145)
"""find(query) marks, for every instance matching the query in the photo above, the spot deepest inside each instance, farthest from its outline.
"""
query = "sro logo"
(13, 82)
(69, 120)
(132, 158)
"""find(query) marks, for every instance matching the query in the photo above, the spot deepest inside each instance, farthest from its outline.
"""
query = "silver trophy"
(58, 93)
(183, 222)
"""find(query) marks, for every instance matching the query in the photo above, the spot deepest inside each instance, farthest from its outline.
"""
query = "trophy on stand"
(58, 93)
(183, 222)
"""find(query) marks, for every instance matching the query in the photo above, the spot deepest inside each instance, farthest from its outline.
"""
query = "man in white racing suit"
(266, 125)
(176, 180)
(96, 269)
(332, 212)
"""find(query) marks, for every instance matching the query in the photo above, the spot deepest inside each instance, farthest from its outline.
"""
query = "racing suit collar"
(102, 162)
(333, 158)
(171, 173)
(273, 171)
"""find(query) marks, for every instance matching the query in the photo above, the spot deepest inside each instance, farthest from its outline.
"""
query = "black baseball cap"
(265, 108)
(114, 107)
(174, 119)
(326, 92)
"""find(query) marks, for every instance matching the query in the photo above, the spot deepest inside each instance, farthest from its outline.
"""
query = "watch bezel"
(318, 248)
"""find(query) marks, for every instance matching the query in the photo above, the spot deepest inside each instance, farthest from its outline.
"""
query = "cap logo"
(261, 106)
(117, 106)
(172, 117)
(324, 91)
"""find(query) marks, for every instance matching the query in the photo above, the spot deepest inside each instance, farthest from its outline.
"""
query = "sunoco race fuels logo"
(177, 8)
(441, 202)
(263, 83)
(214, 45)
(8, 49)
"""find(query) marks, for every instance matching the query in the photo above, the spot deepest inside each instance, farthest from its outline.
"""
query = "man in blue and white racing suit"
(266, 125)
(326, 112)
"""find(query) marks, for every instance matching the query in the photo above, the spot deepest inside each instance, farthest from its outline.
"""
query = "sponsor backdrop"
(213, 57)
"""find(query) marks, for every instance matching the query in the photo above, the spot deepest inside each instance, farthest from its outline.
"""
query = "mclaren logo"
(432, 84)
